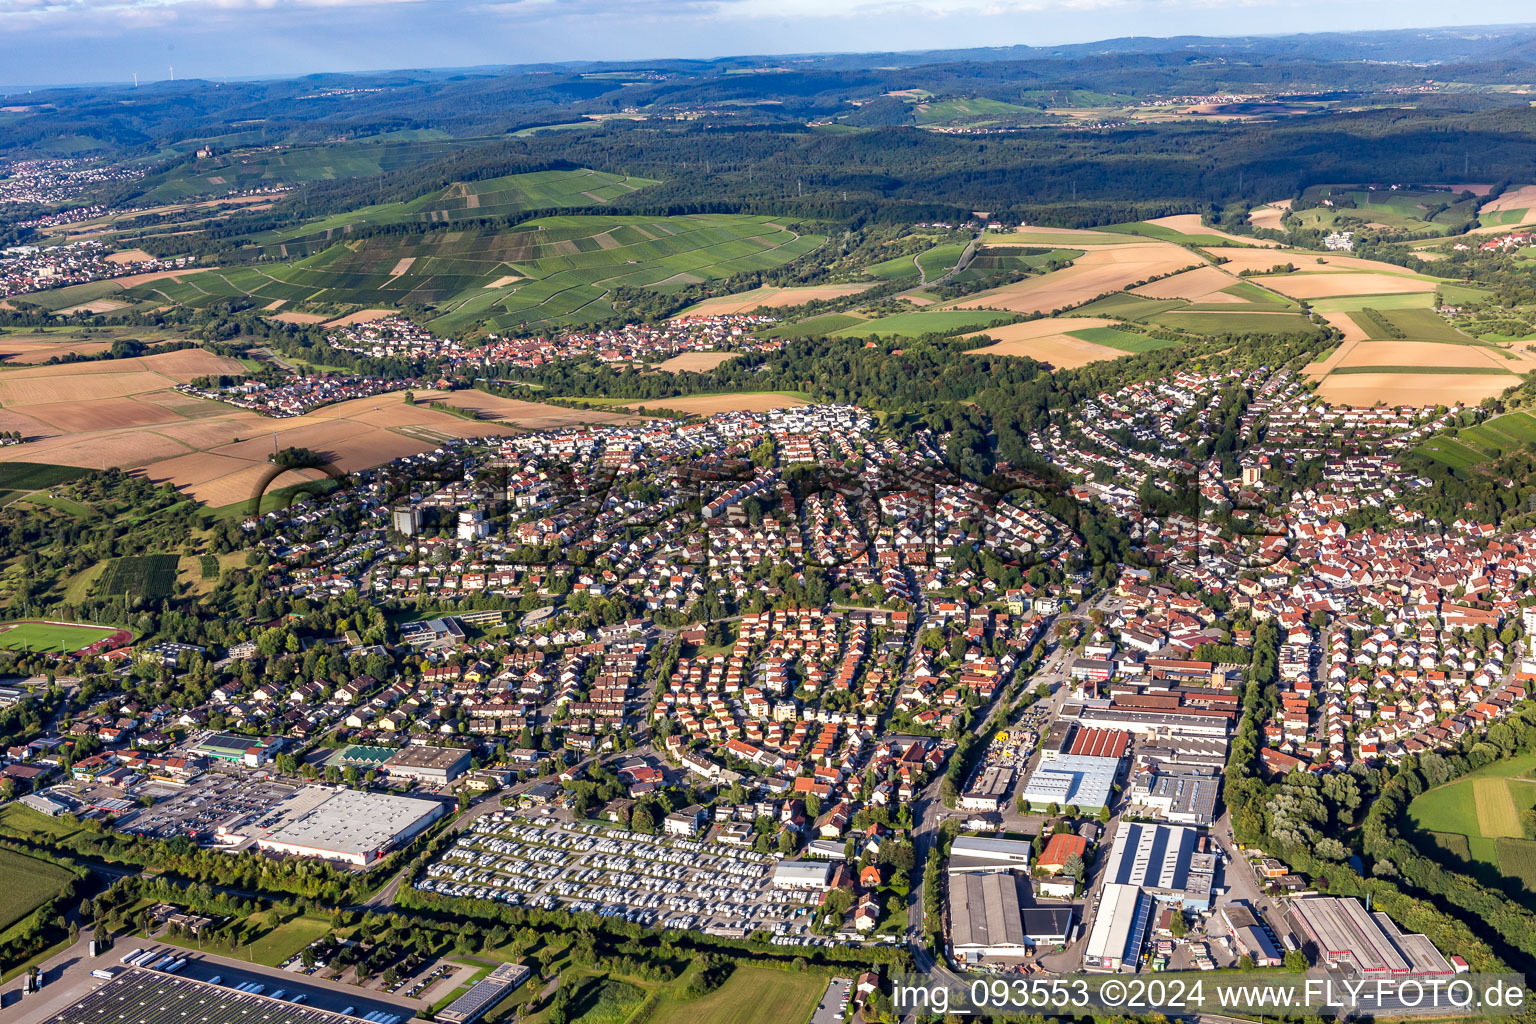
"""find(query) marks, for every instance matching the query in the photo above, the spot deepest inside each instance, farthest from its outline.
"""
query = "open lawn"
(751, 995)
(29, 883)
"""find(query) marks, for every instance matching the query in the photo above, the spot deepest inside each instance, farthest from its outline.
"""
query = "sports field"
(50, 636)
(1485, 807)
(29, 883)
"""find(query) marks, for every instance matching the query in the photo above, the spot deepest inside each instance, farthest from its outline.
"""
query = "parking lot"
(198, 808)
(670, 882)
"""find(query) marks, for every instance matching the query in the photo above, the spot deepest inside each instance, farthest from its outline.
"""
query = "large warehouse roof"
(1159, 857)
(346, 822)
(150, 997)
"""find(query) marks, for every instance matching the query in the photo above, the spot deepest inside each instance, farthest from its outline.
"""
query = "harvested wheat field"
(219, 458)
(1413, 388)
(1269, 216)
(362, 316)
(94, 306)
(130, 256)
(529, 415)
(1425, 353)
(1260, 261)
(1047, 341)
(28, 351)
(1097, 272)
(775, 298)
(696, 361)
(158, 275)
(302, 319)
(18, 392)
(1203, 284)
(240, 485)
(105, 414)
(502, 282)
(1522, 198)
(1327, 286)
(917, 300)
(708, 405)
(1054, 236)
(1189, 224)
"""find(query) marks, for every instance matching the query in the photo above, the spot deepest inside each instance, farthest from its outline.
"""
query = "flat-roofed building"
(1342, 931)
(802, 874)
(1165, 860)
(990, 790)
(484, 994)
(342, 824)
(991, 916)
(439, 765)
(1185, 796)
(1119, 929)
(984, 855)
(1249, 936)
(1080, 780)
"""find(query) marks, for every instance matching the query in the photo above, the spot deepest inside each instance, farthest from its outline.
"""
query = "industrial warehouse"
(1079, 770)
(336, 824)
(1343, 932)
(991, 915)
(152, 997)
(1169, 862)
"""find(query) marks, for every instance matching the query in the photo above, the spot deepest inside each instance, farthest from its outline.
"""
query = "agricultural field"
(1411, 210)
(282, 166)
(556, 270)
(1485, 807)
(1066, 343)
(816, 326)
(975, 112)
(50, 636)
(1100, 270)
(772, 298)
(151, 576)
(1185, 229)
(708, 405)
(751, 995)
(921, 322)
(29, 883)
(461, 201)
(1487, 440)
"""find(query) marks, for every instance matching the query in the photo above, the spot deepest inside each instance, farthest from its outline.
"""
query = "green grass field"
(1401, 209)
(270, 944)
(1409, 300)
(146, 575)
(1125, 306)
(1517, 859)
(554, 270)
(1166, 234)
(896, 268)
(1125, 341)
(29, 883)
(751, 995)
(34, 476)
(1479, 443)
(916, 324)
(1478, 803)
(44, 636)
(939, 260)
(829, 323)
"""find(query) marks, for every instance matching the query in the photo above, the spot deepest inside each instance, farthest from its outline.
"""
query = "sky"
(46, 42)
